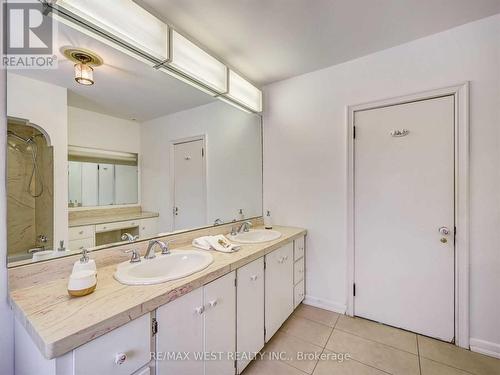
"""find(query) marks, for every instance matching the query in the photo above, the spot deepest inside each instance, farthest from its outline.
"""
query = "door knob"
(444, 231)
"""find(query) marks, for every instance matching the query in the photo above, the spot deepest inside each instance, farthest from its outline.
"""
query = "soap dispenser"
(85, 263)
(241, 215)
(268, 223)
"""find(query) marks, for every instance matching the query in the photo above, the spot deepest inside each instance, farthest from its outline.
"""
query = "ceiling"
(270, 40)
(124, 87)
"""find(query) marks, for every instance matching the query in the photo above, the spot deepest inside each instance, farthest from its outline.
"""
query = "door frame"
(174, 142)
(460, 93)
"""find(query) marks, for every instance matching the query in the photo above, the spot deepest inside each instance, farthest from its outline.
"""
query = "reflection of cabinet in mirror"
(101, 177)
(97, 227)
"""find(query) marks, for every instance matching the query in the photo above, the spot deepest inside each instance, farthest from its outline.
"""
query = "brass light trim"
(82, 55)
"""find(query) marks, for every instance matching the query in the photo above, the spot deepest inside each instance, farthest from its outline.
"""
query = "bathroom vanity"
(91, 228)
(234, 305)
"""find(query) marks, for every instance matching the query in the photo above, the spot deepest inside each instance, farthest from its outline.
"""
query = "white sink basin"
(177, 264)
(256, 236)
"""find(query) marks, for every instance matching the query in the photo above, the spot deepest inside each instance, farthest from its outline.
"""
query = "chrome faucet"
(128, 237)
(244, 227)
(150, 253)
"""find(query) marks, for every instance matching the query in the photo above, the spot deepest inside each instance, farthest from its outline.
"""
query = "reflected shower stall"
(30, 214)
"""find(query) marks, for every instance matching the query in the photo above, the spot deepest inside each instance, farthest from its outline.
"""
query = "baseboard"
(485, 347)
(325, 304)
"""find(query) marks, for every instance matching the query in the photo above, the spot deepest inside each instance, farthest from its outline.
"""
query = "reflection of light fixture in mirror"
(84, 61)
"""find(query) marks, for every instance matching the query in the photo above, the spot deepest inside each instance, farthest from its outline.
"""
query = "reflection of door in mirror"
(189, 184)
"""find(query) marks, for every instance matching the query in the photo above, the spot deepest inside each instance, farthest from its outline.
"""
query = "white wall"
(45, 105)
(234, 166)
(305, 154)
(6, 316)
(96, 130)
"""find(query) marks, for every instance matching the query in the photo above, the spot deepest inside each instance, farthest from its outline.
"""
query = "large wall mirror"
(137, 151)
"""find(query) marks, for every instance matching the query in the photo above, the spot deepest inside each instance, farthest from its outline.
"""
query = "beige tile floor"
(374, 349)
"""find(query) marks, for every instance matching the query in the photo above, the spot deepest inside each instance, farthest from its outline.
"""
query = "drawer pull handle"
(200, 310)
(120, 358)
(253, 277)
(212, 303)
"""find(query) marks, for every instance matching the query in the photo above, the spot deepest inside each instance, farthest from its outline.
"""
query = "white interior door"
(189, 185)
(404, 192)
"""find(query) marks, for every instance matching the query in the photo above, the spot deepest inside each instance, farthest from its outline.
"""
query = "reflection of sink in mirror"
(162, 268)
(256, 236)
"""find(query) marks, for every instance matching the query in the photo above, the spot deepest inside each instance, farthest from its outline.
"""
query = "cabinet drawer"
(298, 271)
(100, 356)
(106, 227)
(77, 233)
(298, 248)
(298, 295)
(80, 244)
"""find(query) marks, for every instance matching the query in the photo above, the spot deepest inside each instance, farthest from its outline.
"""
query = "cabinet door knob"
(285, 258)
(253, 277)
(120, 358)
(212, 303)
(81, 232)
(199, 310)
(281, 260)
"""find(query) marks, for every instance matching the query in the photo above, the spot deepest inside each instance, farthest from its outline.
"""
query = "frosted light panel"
(243, 92)
(125, 20)
(196, 63)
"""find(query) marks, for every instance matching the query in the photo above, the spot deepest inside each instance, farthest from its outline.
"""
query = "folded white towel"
(219, 243)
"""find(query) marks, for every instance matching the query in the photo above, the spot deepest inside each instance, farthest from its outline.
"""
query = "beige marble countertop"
(111, 218)
(59, 323)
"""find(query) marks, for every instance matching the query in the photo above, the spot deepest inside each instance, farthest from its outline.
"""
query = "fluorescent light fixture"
(125, 20)
(236, 105)
(188, 81)
(243, 92)
(197, 64)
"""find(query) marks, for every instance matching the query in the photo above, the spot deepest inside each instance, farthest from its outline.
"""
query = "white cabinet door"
(180, 329)
(250, 309)
(279, 288)
(148, 227)
(220, 324)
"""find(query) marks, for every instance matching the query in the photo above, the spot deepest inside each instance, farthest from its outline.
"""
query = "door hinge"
(235, 281)
(354, 132)
(202, 152)
(455, 231)
(265, 264)
(354, 290)
(154, 326)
